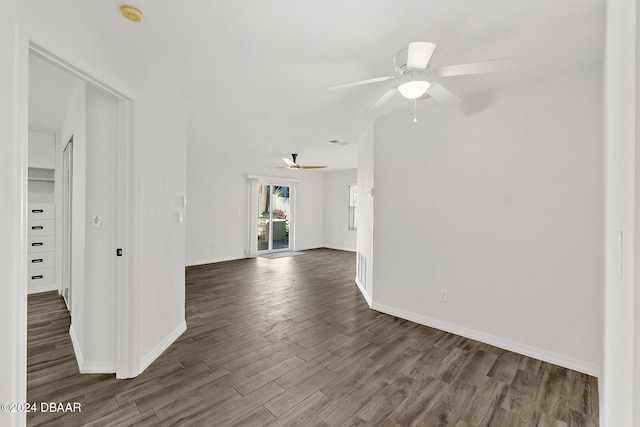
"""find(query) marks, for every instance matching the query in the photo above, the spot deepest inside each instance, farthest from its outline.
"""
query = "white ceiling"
(255, 71)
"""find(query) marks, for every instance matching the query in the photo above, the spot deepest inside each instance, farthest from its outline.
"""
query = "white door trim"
(18, 292)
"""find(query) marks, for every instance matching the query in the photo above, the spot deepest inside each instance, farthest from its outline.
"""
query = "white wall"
(42, 154)
(336, 210)
(309, 210)
(42, 149)
(160, 182)
(503, 209)
(364, 237)
(218, 209)
(217, 205)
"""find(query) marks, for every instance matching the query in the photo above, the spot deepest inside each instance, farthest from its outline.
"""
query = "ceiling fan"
(295, 166)
(416, 80)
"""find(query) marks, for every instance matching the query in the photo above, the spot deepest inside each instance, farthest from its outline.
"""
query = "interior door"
(67, 191)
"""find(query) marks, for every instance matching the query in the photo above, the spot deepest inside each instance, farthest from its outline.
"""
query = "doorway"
(274, 218)
(93, 205)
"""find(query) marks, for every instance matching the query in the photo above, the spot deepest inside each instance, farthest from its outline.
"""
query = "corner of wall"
(155, 352)
(364, 292)
(516, 347)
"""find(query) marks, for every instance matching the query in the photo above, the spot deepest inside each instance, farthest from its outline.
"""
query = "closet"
(41, 224)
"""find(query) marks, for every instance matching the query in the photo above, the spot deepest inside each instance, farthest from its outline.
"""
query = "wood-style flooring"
(291, 342)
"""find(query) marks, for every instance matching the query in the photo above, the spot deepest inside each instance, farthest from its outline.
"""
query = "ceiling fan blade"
(312, 167)
(362, 82)
(419, 54)
(442, 94)
(289, 163)
(496, 66)
(383, 99)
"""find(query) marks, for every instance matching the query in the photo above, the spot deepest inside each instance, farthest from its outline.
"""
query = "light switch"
(184, 200)
(97, 222)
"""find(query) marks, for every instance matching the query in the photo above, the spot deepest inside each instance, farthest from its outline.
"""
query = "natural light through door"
(274, 217)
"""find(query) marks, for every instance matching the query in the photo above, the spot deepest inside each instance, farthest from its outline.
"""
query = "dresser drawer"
(41, 244)
(41, 211)
(40, 260)
(39, 278)
(43, 227)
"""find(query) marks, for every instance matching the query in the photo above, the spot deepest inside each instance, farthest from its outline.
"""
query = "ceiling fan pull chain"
(415, 111)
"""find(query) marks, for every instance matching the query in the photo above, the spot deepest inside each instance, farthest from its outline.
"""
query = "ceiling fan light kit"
(414, 89)
(415, 79)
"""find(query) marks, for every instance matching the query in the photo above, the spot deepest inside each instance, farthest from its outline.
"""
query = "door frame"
(126, 217)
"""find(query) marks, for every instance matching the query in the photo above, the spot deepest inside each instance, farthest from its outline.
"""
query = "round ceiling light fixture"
(131, 13)
(414, 88)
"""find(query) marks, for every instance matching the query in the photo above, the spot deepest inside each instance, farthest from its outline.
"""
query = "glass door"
(274, 217)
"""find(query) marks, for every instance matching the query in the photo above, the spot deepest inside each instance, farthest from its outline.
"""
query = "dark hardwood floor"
(291, 342)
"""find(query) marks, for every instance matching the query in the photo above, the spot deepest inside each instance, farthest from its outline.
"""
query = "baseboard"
(45, 288)
(337, 248)
(76, 347)
(366, 296)
(536, 353)
(214, 260)
(149, 358)
(98, 368)
(89, 367)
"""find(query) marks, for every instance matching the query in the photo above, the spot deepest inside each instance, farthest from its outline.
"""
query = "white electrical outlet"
(443, 295)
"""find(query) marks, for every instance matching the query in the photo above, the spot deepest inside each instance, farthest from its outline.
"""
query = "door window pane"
(280, 217)
(353, 207)
(264, 210)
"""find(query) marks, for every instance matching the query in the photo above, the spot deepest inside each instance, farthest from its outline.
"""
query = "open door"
(67, 200)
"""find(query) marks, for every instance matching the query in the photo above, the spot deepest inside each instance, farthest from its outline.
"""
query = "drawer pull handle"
(36, 261)
(36, 277)
(37, 227)
(37, 210)
(37, 244)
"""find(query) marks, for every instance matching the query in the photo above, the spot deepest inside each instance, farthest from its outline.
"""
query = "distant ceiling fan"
(415, 80)
(295, 166)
